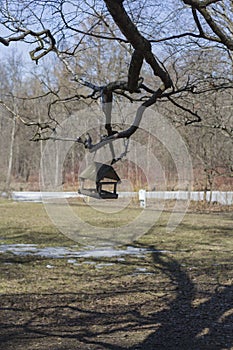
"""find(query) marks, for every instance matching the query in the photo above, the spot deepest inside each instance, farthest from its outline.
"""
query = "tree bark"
(11, 153)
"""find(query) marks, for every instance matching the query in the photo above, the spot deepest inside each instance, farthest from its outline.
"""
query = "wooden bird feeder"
(99, 180)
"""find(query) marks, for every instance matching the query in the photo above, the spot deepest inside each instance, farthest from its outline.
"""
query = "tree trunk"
(11, 153)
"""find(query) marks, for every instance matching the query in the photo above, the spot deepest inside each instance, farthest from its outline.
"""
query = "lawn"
(177, 293)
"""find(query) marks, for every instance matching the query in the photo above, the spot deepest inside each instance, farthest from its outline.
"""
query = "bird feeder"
(99, 180)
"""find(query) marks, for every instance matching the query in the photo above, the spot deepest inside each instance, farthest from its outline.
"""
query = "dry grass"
(177, 296)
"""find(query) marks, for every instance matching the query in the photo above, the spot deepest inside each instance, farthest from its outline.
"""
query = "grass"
(23, 222)
(178, 296)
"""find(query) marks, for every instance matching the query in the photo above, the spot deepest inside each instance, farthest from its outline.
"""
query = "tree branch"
(142, 50)
(201, 7)
(195, 114)
(44, 38)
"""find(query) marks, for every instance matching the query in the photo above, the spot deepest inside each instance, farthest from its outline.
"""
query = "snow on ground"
(73, 252)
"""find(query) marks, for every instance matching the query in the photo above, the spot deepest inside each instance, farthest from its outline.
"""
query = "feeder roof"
(98, 171)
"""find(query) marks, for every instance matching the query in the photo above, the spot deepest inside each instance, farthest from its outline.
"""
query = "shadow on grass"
(155, 312)
(185, 326)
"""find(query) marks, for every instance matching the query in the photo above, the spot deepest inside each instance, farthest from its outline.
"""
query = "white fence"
(225, 198)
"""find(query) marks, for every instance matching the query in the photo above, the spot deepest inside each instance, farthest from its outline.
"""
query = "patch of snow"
(100, 266)
(49, 266)
(71, 261)
(72, 253)
(141, 269)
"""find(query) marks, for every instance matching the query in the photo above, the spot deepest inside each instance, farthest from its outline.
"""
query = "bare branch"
(44, 38)
(4, 41)
(40, 128)
(202, 8)
(196, 19)
(200, 4)
(216, 29)
(142, 50)
(195, 114)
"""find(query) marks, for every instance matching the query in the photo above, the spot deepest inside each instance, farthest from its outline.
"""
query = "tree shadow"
(132, 315)
(185, 325)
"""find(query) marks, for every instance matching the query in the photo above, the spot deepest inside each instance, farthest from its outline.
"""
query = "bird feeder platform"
(100, 181)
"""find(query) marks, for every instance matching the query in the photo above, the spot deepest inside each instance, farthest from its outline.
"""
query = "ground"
(176, 294)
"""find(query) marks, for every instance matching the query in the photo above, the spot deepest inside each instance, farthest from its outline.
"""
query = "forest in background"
(210, 148)
(200, 68)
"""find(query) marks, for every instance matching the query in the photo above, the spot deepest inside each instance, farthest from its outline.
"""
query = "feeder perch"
(99, 180)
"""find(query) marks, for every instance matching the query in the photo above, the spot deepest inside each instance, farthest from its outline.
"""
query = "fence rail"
(225, 198)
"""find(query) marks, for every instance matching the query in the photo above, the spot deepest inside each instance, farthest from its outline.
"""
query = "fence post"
(142, 198)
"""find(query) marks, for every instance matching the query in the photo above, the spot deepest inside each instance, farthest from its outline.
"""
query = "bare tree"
(151, 33)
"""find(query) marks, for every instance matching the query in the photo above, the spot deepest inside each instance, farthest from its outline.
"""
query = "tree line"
(173, 57)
